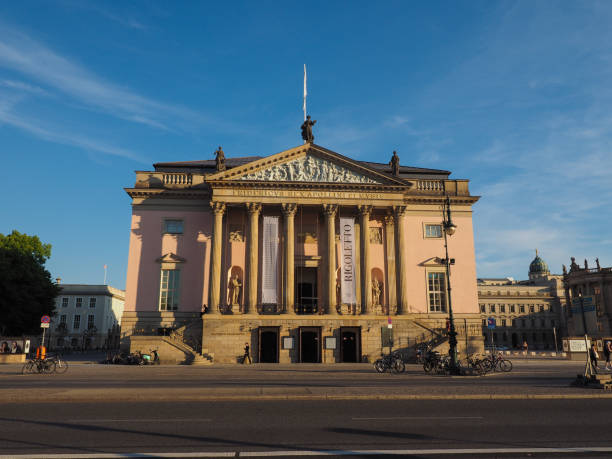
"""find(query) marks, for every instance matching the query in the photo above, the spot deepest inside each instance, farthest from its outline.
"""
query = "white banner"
(347, 261)
(269, 273)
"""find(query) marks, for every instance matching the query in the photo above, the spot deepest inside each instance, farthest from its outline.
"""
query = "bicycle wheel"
(380, 366)
(28, 367)
(61, 366)
(505, 365)
(399, 366)
(48, 366)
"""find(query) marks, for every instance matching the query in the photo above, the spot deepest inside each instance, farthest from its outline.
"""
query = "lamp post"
(449, 229)
(582, 310)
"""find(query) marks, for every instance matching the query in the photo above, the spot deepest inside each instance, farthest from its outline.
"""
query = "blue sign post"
(491, 326)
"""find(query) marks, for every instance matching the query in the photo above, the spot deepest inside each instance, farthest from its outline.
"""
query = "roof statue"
(395, 164)
(597, 264)
(307, 130)
(573, 265)
(220, 159)
(586, 264)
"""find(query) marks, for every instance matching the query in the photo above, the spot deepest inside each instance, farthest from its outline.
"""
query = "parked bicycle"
(61, 366)
(497, 362)
(390, 362)
(38, 366)
(431, 360)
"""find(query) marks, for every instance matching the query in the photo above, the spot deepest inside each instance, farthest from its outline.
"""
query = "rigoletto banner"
(347, 263)
(269, 273)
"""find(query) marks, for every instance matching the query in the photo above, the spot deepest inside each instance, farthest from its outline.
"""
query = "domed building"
(538, 268)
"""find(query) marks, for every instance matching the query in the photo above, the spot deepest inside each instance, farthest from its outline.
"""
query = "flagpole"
(105, 274)
(305, 92)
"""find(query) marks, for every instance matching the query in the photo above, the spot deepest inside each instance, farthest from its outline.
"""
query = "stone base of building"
(154, 324)
(312, 339)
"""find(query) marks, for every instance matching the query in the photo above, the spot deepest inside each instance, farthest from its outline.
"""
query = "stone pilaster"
(400, 217)
(330, 211)
(391, 280)
(366, 272)
(218, 209)
(254, 209)
(289, 268)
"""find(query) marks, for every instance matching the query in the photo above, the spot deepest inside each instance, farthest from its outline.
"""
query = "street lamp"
(582, 309)
(449, 229)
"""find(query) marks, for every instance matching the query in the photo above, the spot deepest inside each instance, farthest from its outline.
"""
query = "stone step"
(201, 360)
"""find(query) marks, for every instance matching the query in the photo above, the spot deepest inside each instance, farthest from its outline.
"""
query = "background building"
(87, 317)
(589, 292)
(530, 311)
(306, 255)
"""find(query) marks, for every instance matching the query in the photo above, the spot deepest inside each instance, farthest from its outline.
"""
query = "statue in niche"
(235, 290)
(220, 159)
(375, 235)
(376, 291)
(395, 164)
(307, 130)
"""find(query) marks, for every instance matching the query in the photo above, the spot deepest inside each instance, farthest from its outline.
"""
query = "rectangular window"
(173, 226)
(503, 322)
(63, 319)
(90, 321)
(502, 308)
(531, 308)
(433, 231)
(492, 308)
(512, 308)
(169, 290)
(79, 302)
(522, 309)
(514, 322)
(77, 322)
(484, 322)
(541, 308)
(436, 288)
(92, 302)
(65, 302)
(482, 308)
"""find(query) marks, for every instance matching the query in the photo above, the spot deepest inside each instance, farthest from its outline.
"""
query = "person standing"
(247, 354)
(607, 352)
(593, 357)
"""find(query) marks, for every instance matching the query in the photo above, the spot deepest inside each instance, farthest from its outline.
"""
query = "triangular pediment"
(170, 258)
(309, 164)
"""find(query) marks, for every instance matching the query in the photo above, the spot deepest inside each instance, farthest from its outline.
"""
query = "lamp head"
(449, 228)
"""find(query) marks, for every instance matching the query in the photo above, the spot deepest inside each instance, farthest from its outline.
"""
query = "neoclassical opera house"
(307, 255)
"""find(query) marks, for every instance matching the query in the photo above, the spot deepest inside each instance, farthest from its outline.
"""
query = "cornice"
(163, 193)
(310, 186)
(429, 199)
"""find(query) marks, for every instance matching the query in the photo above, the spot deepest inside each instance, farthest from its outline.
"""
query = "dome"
(538, 266)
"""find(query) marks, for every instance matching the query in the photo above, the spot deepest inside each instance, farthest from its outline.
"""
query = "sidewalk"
(108, 383)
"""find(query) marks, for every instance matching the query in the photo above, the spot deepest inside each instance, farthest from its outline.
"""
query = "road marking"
(437, 418)
(296, 452)
(141, 420)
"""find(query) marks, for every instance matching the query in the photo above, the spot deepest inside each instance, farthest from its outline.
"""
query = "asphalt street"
(294, 427)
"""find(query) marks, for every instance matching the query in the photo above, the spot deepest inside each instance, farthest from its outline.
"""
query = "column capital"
(399, 211)
(217, 207)
(289, 209)
(389, 219)
(253, 207)
(364, 209)
(330, 209)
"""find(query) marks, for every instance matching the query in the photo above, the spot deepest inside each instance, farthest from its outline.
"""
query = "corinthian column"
(218, 209)
(330, 219)
(366, 273)
(288, 279)
(254, 210)
(391, 283)
(400, 216)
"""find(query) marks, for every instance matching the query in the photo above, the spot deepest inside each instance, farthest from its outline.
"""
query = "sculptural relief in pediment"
(308, 169)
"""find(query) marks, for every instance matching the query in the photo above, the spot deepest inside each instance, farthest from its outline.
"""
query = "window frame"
(430, 224)
(443, 307)
(76, 322)
(94, 300)
(176, 290)
(78, 302)
(65, 302)
(166, 221)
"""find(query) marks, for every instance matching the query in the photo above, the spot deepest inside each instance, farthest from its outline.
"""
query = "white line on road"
(436, 418)
(141, 420)
(296, 452)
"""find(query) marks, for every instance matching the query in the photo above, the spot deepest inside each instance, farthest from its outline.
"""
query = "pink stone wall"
(148, 243)
(460, 247)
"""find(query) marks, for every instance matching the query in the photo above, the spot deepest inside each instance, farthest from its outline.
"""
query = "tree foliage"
(27, 292)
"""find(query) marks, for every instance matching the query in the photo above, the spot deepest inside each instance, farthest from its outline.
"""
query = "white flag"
(305, 92)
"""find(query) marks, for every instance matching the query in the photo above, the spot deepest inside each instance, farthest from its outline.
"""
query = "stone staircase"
(188, 338)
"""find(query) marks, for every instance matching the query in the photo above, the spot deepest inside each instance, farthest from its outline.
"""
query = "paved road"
(486, 427)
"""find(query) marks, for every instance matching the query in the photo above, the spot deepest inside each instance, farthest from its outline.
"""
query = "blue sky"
(514, 96)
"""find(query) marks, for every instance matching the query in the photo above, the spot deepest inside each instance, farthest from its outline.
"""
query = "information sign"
(491, 322)
(44, 325)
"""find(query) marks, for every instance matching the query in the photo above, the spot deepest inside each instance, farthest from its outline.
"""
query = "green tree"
(27, 290)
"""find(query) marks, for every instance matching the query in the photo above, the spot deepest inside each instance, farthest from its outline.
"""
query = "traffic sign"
(491, 322)
(44, 325)
(389, 324)
(45, 319)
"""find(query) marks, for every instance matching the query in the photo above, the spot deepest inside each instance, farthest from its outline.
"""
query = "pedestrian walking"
(593, 355)
(607, 352)
(247, 354)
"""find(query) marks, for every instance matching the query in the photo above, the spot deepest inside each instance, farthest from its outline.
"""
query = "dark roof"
(209, 166)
